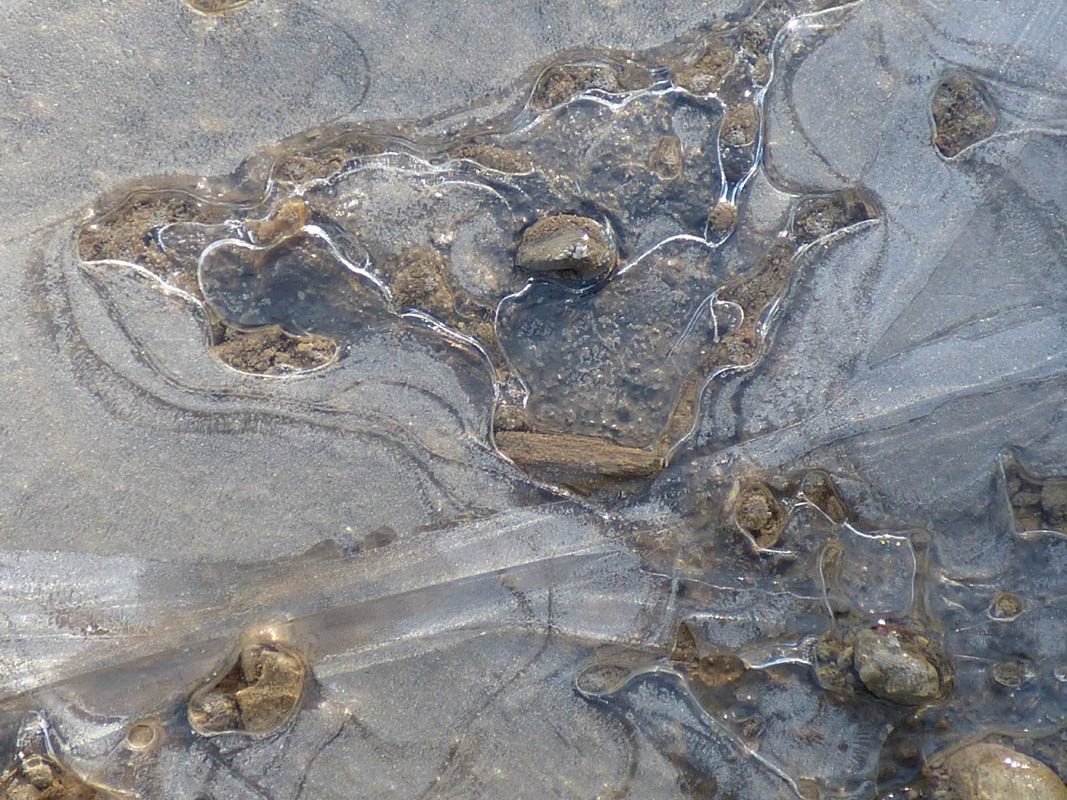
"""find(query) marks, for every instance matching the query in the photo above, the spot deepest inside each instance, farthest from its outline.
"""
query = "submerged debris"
(318, 159)
(576, 460)
(560, 83)
(285, 220)
(708, 670)
(130, 232)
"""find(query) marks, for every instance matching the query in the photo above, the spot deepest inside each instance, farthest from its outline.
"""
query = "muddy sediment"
(963, 114)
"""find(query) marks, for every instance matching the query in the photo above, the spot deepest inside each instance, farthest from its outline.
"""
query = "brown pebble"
(895, 665)
(566, 243)
(988, 771)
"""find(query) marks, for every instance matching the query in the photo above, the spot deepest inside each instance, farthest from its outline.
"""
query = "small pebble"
(566, 243)
(994, 772)
(893, 666)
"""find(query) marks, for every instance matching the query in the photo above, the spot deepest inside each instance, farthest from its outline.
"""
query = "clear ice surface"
(586, 534)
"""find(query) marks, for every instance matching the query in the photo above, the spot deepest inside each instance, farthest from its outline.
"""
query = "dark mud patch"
(560, 83)
(705, 73)
(132, 232)
(500, 159)
(1036, 503)
(963, 114)
(759, 514)
(822, 216)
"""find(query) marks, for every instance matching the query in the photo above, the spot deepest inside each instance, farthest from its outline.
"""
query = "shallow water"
(337, 470)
